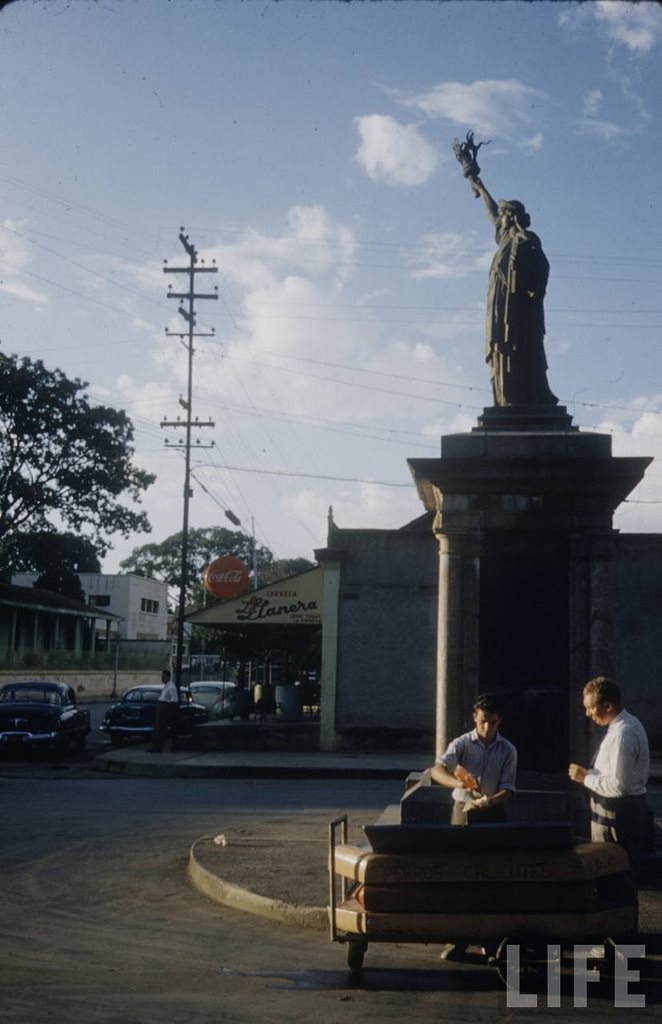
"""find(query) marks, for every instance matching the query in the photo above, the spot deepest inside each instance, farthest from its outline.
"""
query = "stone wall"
(88, 685)
(387, 634)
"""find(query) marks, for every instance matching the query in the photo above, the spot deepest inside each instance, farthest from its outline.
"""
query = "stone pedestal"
(523, 515)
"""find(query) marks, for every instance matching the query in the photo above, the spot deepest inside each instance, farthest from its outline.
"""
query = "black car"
(41, 716)
(135, 714)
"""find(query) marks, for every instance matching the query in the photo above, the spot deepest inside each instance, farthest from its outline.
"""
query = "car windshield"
(32, 695)
(141, 696)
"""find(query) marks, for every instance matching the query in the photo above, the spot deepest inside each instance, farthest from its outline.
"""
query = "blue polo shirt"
(495, 766)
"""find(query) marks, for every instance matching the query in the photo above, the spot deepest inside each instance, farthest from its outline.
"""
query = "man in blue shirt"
(480, 767)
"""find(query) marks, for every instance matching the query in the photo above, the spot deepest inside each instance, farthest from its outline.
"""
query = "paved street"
(101, 926)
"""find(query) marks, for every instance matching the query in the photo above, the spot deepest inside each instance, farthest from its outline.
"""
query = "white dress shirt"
(622, 765)
(169, 693)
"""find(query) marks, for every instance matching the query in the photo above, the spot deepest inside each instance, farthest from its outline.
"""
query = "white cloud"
(494, 107)
(605, 130)
(23, 292)
(307, 377)
(637, 26)
(445, 256)
(639, 434)
(592, 102)
(358, 507)
(591, 124)
(636, 430)
(535, 143)
(15, 258)
(297, 336)
(394, 153)
(459, 423)
(312, 244)
(14, 248)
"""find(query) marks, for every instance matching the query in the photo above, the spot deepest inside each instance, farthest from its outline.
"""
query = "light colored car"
(217, 695)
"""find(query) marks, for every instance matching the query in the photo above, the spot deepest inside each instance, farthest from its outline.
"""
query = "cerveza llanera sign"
(278, 605)
(294, 601)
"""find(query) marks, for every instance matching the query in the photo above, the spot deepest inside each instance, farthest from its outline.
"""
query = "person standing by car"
(167, 711)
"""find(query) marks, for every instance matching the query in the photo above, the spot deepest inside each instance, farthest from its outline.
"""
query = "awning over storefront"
(294, 601)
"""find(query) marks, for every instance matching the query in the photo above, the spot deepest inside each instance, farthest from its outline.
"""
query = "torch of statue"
(465, 153)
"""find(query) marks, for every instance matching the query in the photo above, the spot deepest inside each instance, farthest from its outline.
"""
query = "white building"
(141, 603)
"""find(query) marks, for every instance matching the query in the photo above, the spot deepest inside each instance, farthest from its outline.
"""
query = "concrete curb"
(163, 770)
(192, 768)
(194, 765)
(234, 896)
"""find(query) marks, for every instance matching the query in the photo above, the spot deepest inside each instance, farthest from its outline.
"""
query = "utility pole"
(186, 310)
(237, 522)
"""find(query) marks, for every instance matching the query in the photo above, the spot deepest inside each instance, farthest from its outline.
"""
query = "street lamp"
(237, 522)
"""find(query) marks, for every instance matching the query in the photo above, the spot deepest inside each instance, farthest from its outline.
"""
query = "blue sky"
(306, 147)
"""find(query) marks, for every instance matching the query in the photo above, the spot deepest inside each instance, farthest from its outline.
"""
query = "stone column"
(457, 635)
(331, 567)
(601, 627)
(591, 628)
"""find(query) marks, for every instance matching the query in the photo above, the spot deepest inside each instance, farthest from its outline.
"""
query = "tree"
(63, 460)
(163, 561)
(282, 567)
(57, 558)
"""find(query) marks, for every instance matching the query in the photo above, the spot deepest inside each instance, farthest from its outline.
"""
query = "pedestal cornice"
(545, 481)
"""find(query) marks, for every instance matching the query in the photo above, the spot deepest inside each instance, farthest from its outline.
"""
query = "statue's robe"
(515, 322)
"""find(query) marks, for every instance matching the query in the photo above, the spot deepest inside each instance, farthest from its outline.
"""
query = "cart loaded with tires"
(490, 885)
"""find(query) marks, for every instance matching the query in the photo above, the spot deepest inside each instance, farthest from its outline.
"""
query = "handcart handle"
(334, 826)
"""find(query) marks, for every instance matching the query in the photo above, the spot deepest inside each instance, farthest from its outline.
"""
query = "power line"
(309, 476)
(418, 380)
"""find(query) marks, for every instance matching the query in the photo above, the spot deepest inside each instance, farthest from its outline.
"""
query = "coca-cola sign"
(226, 576)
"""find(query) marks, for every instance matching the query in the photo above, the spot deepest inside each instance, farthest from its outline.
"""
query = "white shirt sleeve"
(614, 769)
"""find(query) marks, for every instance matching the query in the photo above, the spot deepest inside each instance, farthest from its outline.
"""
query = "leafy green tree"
(56, 558)
(164, 561)
(282, 567)
(62, 460)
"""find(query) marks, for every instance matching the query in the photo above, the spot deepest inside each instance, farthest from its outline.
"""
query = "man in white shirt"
(167, 712)
(618, 776)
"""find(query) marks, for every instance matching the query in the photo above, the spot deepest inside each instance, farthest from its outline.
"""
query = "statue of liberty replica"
(515, 319)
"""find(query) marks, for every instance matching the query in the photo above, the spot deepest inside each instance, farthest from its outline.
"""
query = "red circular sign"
(226, 576)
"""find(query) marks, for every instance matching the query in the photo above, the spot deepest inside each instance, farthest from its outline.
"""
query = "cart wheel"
(497, 954)
(355, 953)
(531, 956)
(608, 964)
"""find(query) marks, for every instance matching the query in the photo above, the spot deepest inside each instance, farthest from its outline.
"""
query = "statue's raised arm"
(515, 321)
(466, 153)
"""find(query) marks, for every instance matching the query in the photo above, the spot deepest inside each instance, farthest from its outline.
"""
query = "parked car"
(41, 715)
(135, 714)
(217, 695)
